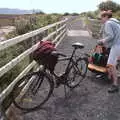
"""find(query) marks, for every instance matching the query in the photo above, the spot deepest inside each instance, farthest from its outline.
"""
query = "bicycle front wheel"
(77, 72)
(32, 91)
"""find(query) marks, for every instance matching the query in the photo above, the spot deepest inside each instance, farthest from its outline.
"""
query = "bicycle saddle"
(78, 45)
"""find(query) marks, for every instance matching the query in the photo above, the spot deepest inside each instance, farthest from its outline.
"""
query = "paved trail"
(90, 101)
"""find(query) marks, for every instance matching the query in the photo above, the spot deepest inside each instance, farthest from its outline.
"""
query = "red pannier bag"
(42, 54)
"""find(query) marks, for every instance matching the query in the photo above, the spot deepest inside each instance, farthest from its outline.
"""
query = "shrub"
(23, 25)
(117, 15)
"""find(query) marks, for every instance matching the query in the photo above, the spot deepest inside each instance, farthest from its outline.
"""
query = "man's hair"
(106, 13)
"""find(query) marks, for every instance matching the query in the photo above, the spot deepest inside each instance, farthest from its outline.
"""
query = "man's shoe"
(113, 89)
(99, 76)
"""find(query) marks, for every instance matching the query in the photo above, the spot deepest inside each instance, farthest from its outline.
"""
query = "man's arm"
(109, 33)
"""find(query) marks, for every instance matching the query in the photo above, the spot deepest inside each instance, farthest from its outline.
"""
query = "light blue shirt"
(111, 32)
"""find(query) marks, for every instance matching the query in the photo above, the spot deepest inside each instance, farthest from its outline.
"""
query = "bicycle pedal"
(57, 83)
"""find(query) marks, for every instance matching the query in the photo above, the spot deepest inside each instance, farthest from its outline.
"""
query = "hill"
(16, 11)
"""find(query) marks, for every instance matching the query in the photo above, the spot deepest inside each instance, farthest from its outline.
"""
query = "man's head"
(105, 15)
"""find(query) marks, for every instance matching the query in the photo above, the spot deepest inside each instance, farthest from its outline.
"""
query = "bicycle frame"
(44, 74)
(70, 59)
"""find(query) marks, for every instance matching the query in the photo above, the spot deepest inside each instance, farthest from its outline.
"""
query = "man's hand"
(101, 42)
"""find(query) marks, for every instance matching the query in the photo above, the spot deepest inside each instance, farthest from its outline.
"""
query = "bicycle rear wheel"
(32, 91)
(77, 72)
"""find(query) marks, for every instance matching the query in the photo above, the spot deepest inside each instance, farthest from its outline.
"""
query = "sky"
(54, 6)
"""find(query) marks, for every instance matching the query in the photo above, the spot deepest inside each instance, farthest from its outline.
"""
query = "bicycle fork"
(38, 83)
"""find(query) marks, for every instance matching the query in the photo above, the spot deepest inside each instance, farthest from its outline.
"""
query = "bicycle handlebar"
(58, 53)
(61, 54)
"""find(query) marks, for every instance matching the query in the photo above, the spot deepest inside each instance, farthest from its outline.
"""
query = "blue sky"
(54, 6)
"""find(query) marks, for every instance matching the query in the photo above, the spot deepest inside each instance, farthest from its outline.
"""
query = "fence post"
(66, 27)
(56, 30)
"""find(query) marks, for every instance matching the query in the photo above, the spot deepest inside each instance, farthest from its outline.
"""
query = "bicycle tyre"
(78, 74)
(19, 103)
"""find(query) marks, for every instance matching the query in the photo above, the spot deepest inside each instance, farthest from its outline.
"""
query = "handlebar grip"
(99, 43)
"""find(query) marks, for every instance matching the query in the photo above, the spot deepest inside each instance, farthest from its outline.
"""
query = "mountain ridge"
(17, 11)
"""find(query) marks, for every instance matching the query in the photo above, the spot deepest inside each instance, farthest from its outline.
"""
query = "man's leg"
(114, 76)
(112, 73)
(111, 65)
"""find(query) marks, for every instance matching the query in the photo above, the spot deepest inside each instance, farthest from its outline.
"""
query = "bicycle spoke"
(77, 73)
(38, 93)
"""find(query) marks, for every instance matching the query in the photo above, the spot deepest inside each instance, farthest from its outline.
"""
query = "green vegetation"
(109, 5)
(7, 55)
(117, 15)
(94, 25)
(72, 14)
(27, 23)
(23, 25)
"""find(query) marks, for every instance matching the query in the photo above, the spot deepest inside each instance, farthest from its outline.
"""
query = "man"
(111, 39)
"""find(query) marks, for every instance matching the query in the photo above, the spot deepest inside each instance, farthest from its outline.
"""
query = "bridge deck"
(90, 101)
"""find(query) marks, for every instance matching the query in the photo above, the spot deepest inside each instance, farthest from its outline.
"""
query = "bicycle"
(40, 84)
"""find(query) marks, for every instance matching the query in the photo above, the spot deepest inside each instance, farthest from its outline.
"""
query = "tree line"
(103, 6)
